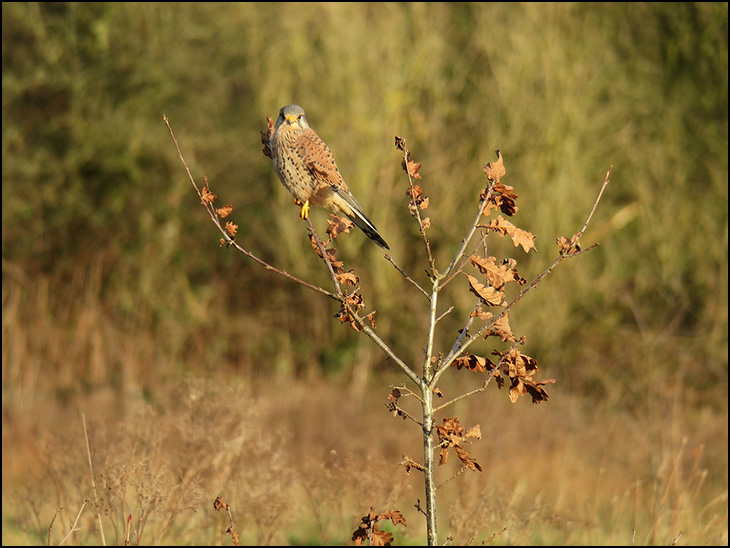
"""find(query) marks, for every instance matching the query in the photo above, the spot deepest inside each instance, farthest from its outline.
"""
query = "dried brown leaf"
(336, 225)
(206, 195)
(501, 329)
(495, 170)
(224, 211)
(411, 167)
(347, 277)
(488, 295)
(477, 364)
(569, 246)
(266, 137)
(502, 197)
(231, 228)
(464, 457)
(519, 237)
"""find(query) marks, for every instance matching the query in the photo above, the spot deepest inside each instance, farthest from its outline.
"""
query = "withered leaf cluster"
(409, 463)
(512, 365)
(207, 198)
(220, 504)
(500, 196)
(519, 237)
(369, 533)
(519, 368)
(453, 435)
(418, 200)
(392, 404)
(570, 246)
(266, 137)
(497, 274)
(408, 165)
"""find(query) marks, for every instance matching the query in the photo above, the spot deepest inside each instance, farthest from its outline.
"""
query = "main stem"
(429, 465)
(428, 441)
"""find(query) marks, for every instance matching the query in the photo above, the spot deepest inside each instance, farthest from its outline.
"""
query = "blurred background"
(199, 373)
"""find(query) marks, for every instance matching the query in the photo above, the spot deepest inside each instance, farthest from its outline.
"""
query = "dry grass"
(300, 462)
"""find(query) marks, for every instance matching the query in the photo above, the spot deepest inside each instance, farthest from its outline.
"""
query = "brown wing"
(318, 158)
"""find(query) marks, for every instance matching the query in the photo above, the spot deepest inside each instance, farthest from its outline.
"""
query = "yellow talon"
(304, 212)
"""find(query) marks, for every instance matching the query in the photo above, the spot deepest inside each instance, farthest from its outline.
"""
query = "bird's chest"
(291, 168)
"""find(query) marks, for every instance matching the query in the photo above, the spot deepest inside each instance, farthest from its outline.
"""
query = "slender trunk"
(428, 441)
(429, 465)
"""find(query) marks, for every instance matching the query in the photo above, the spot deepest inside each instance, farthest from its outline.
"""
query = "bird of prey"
(306, 167)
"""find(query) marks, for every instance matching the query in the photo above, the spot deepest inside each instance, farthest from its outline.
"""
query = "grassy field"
(200, 374)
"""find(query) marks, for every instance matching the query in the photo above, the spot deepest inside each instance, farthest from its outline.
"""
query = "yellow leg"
(304, 212)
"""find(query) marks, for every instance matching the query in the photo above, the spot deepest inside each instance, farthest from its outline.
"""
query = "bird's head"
(293, 117)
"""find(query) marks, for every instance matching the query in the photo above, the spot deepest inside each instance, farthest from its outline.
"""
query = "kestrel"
(308, 170)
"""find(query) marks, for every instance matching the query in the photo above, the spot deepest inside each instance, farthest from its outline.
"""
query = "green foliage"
(92, 185)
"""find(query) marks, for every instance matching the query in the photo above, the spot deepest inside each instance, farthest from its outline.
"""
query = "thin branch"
(389, 352)
(465, 395)
(595, 204)
(456, 272)
(417, 211)
(459, 472)
(93, 482)
(409, 392)
(482, 205)
(427, 368)
(406, 276)
(464, 331)
(326, 259)
(356, 317)
(444, 314)
(73, 527)
(478, 334)
(227, 238)
(50, 525)
(400, 412)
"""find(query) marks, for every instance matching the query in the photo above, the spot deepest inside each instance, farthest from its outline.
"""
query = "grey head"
(292, 114)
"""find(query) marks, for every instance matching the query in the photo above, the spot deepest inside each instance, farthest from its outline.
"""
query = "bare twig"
(466, 260)
(93, 483)
(220, 504)
(459, 472)
(326, 259)
(448, 311)
(595, 204)
(228, 239)
(465, 395)
(73, 527)
(495, 535)
(128, 530)
(457, 350)
(480, 211)
(50, 525)
(408, 391)
(417, 211)
(406, 276)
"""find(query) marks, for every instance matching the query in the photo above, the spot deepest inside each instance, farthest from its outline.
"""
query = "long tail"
(364, 224)
(361, 221)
